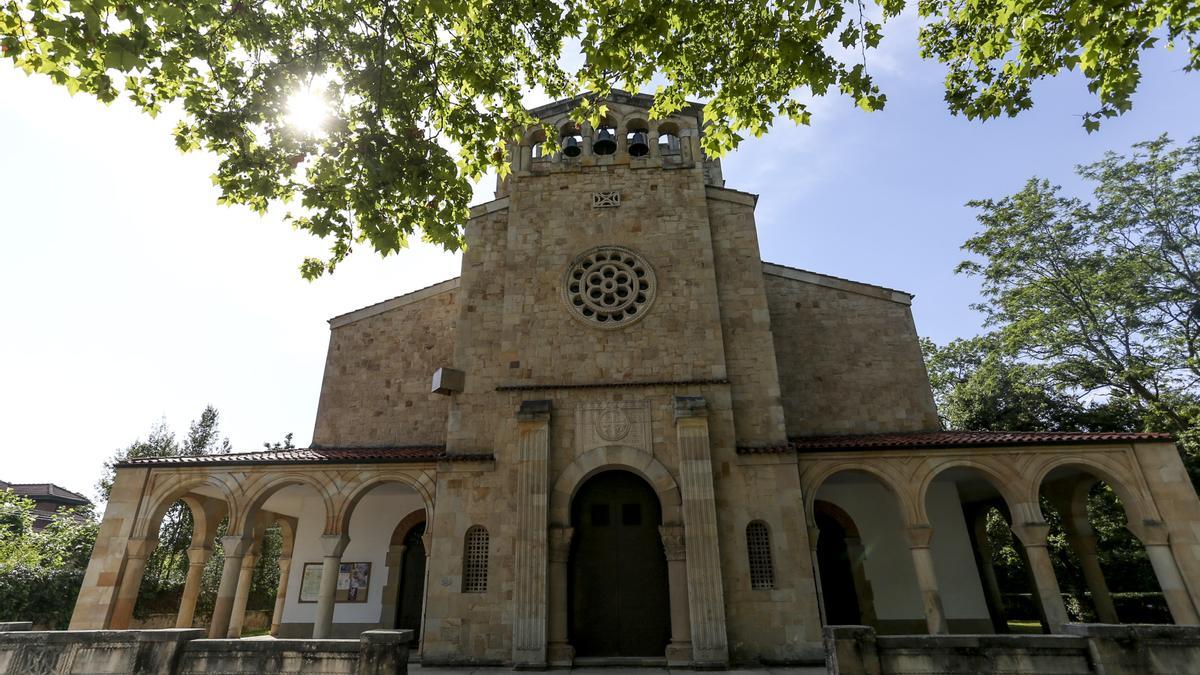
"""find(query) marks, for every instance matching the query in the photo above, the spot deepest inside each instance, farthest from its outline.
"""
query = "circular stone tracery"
(609, 286)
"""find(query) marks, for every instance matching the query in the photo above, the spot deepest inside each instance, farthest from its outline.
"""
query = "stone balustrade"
(183, 651)
(1083, 649)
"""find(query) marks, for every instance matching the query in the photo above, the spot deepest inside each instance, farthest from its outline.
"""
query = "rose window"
(609, 286)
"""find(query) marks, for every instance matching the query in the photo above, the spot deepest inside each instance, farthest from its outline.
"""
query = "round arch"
(420, 483)
(606, 458)
(260, 493)
(812, 481)
(1138, 504)
(407, 523)
(838, 515)
(171, 491)
(1004, 486)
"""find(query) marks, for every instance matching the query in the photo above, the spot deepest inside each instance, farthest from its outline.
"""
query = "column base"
(529, 659)
(560, 654)
(679, 654)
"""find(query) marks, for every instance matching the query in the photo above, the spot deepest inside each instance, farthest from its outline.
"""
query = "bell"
(638, 146)
(605, 143)
(570, 147)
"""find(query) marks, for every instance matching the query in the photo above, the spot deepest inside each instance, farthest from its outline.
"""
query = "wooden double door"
(619, 599)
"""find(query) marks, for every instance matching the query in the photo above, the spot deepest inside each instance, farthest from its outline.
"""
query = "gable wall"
(376, 389)
(848, 363)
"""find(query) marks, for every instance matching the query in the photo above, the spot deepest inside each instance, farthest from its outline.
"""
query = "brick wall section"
(849, 362)
(378, 372)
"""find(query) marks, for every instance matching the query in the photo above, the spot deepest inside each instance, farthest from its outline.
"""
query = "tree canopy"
(423, 96)
(1103, 294)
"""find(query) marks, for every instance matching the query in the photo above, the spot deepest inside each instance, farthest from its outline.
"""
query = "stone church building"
(621, 436)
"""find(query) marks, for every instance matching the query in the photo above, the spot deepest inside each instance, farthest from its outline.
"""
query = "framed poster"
(354, 579)
(353, 582)
(310, 582)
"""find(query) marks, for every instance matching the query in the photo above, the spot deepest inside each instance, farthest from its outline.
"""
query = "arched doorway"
(412, 583)
(619, 603)
(839, 587)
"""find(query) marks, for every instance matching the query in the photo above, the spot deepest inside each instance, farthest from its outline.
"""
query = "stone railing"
(180, 651)
(1084, 649)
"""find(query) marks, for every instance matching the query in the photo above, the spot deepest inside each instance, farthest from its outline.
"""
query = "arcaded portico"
(620, 434)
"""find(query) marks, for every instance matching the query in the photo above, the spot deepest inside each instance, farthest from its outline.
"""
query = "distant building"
(48, 499)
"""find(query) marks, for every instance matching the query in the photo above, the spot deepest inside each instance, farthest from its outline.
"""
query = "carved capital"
(1031, 534)
(199, 555)
(560, 543)
(919, 536)
(673, 540)
(334, 544)
(689, 407)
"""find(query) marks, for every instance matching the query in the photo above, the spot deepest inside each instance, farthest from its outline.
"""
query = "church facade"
(620, 436)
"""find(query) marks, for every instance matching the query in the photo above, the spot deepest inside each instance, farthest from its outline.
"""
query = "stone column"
(560, 652)
(533, 448)
(235, 548)
(1084, 545)
(334, 545)
(237, 615)
(131, 580)
(710, 646)
(862, 585)
(1033, 539)
(679, 652)
(652, 139)
(814, 536)
(197, 557)
(994, 598)
(1070, 500)
(285, 569)
(919, 540)
(391, 589)
(1155, 538)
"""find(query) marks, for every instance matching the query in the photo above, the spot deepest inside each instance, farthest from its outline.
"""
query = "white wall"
(889, 565)
(371, 527)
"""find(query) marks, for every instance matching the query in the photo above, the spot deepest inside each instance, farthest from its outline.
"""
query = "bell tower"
(612, 316)
(625, 136)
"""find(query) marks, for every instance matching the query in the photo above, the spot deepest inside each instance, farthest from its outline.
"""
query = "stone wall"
(376, 390)
(184, 652)
(849, 359)
(745, 319)
(1131, 649)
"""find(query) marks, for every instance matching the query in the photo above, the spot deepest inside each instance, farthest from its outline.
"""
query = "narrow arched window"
(758, 544)
(475, 560)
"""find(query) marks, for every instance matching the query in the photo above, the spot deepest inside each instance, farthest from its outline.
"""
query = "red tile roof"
(430, 453)
(955, 439)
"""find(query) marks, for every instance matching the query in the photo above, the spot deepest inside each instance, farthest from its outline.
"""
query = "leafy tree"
(423, 96)
(978, 386)
(41, 571)
(1103, 294)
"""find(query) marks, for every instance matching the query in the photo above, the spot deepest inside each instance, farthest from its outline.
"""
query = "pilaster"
(529, 621)
(706, 593)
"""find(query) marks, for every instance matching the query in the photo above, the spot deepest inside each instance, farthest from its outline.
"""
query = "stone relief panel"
(613, 423)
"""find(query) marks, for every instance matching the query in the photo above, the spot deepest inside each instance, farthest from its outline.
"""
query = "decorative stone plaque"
(612, 423)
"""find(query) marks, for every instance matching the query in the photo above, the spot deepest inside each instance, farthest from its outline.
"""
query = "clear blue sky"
(127, 295)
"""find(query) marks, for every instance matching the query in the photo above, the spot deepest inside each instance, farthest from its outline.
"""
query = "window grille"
(758, 543)
(475, 560)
